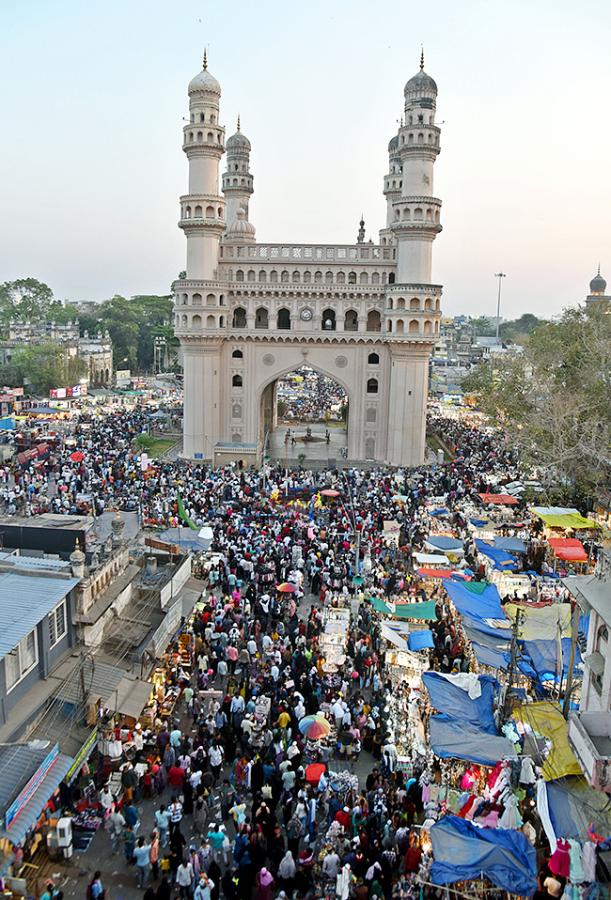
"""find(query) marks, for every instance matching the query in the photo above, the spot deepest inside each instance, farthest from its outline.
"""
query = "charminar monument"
(248, 312)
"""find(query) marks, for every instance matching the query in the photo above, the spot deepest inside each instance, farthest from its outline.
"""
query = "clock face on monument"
(306, 314)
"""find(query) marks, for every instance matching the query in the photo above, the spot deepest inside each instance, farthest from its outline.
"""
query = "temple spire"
(205, 59)
(421, 58)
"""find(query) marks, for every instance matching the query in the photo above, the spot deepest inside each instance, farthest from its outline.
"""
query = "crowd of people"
(246, 804)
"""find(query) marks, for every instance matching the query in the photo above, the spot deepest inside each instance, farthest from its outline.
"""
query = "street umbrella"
(77, 456)
(314, 727)
(329, 492)
(287, 587)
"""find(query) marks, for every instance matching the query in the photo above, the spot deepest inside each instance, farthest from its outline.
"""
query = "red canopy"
(428, 572)
(568, 549)
(500, 499)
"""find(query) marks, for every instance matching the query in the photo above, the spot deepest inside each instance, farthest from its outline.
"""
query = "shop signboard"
(31, 787)
(82, 756)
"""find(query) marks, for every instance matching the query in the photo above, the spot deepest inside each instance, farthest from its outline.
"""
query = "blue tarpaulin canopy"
(442, 542)
(544, 657)
(456, 705)
(501, 559)
(461, 851)
(574, 806)
(510, 544)
(476, 599)
(420, 640)
(452, 741)
(442, 511)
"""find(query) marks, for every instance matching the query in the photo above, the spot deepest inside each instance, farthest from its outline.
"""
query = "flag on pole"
(182, 513)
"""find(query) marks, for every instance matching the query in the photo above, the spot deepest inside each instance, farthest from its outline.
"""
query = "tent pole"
(569, 675)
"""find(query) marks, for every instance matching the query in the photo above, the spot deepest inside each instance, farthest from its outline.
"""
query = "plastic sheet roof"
(24, 602)
(568, 549)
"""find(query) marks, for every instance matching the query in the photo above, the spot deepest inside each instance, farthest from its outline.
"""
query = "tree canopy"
(42, 366)
(554, 398)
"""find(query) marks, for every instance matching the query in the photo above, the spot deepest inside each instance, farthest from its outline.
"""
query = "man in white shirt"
(184, 879)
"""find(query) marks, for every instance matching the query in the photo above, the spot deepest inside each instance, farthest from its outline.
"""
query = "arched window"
(222, 300)
(210, 212)
(421, 138)
(363, 278)
(210, 300)
(406, 214)
(210, 322)
(429, 215)
(251, 275)
(284, 277)
(262, 276)
(437, 326)
(236, 410)
(236, 437)
(273, 276)
(414, 326)
(328, 320)
(197, 299)
(352, 278)
(221, 321)
(351, 320)
(410, 139)
(296, 277)
(200, 135)
(197, 321)
(372, 385)
(390, 303)
(318, 277)
(401, 303)
(198, 212)
(236, 381)
(329, 278)
(428, 303)
(389, 325)
(373, 359)
(210, 137)
(239, 275)
(185, 299)
(399, 327)
(187, 212)
(262, 318)
(428, 327)
(375, 278)
(341, 278)
(414, 303)
(418, 213)
(284, 318)
(237, 354)
(437, 304)
(307, 277)
(371, 416)
(391, 277)
(374, 320)
(219, 212)
(239, 317)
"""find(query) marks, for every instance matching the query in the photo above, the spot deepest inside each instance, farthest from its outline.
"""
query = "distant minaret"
(237, 180)
(361, 235)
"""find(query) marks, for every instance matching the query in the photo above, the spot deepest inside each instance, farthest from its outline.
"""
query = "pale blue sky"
(93, 93)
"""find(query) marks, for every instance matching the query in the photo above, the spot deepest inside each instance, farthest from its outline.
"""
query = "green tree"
(24, 298)
(42, 367)
(482, 326)
(554, 398)
(517, 331)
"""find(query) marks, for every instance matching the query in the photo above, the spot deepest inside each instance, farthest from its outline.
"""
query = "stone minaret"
(413, 302)
(202, 218)
(237, 180)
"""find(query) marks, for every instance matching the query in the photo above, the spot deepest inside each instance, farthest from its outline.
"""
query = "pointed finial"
(421, 57)
(205, 59)
(401, 121)
(599, 268)
(238, 121)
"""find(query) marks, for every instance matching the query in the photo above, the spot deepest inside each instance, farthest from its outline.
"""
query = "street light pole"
(500, 276)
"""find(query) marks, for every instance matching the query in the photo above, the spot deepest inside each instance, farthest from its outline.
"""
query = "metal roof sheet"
(24, 601)
(30, 813)
(18, 762)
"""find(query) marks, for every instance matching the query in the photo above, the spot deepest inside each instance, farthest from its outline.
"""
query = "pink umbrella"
(287, 587)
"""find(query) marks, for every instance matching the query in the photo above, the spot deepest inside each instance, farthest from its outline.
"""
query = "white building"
(364, 314)
(590, 728)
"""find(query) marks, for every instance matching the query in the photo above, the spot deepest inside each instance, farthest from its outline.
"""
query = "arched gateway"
(364, 314)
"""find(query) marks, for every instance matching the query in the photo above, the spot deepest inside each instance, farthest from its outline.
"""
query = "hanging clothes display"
(560, 861)
(577, 874)
(588, 861)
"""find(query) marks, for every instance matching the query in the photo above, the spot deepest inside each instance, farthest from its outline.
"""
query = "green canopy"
(567, 520)
(379, 605)
(424, 611)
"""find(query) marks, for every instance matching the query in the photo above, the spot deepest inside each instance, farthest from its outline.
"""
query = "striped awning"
(30, 813)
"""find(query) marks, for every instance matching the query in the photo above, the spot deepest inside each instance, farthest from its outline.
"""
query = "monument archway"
(304, 413)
